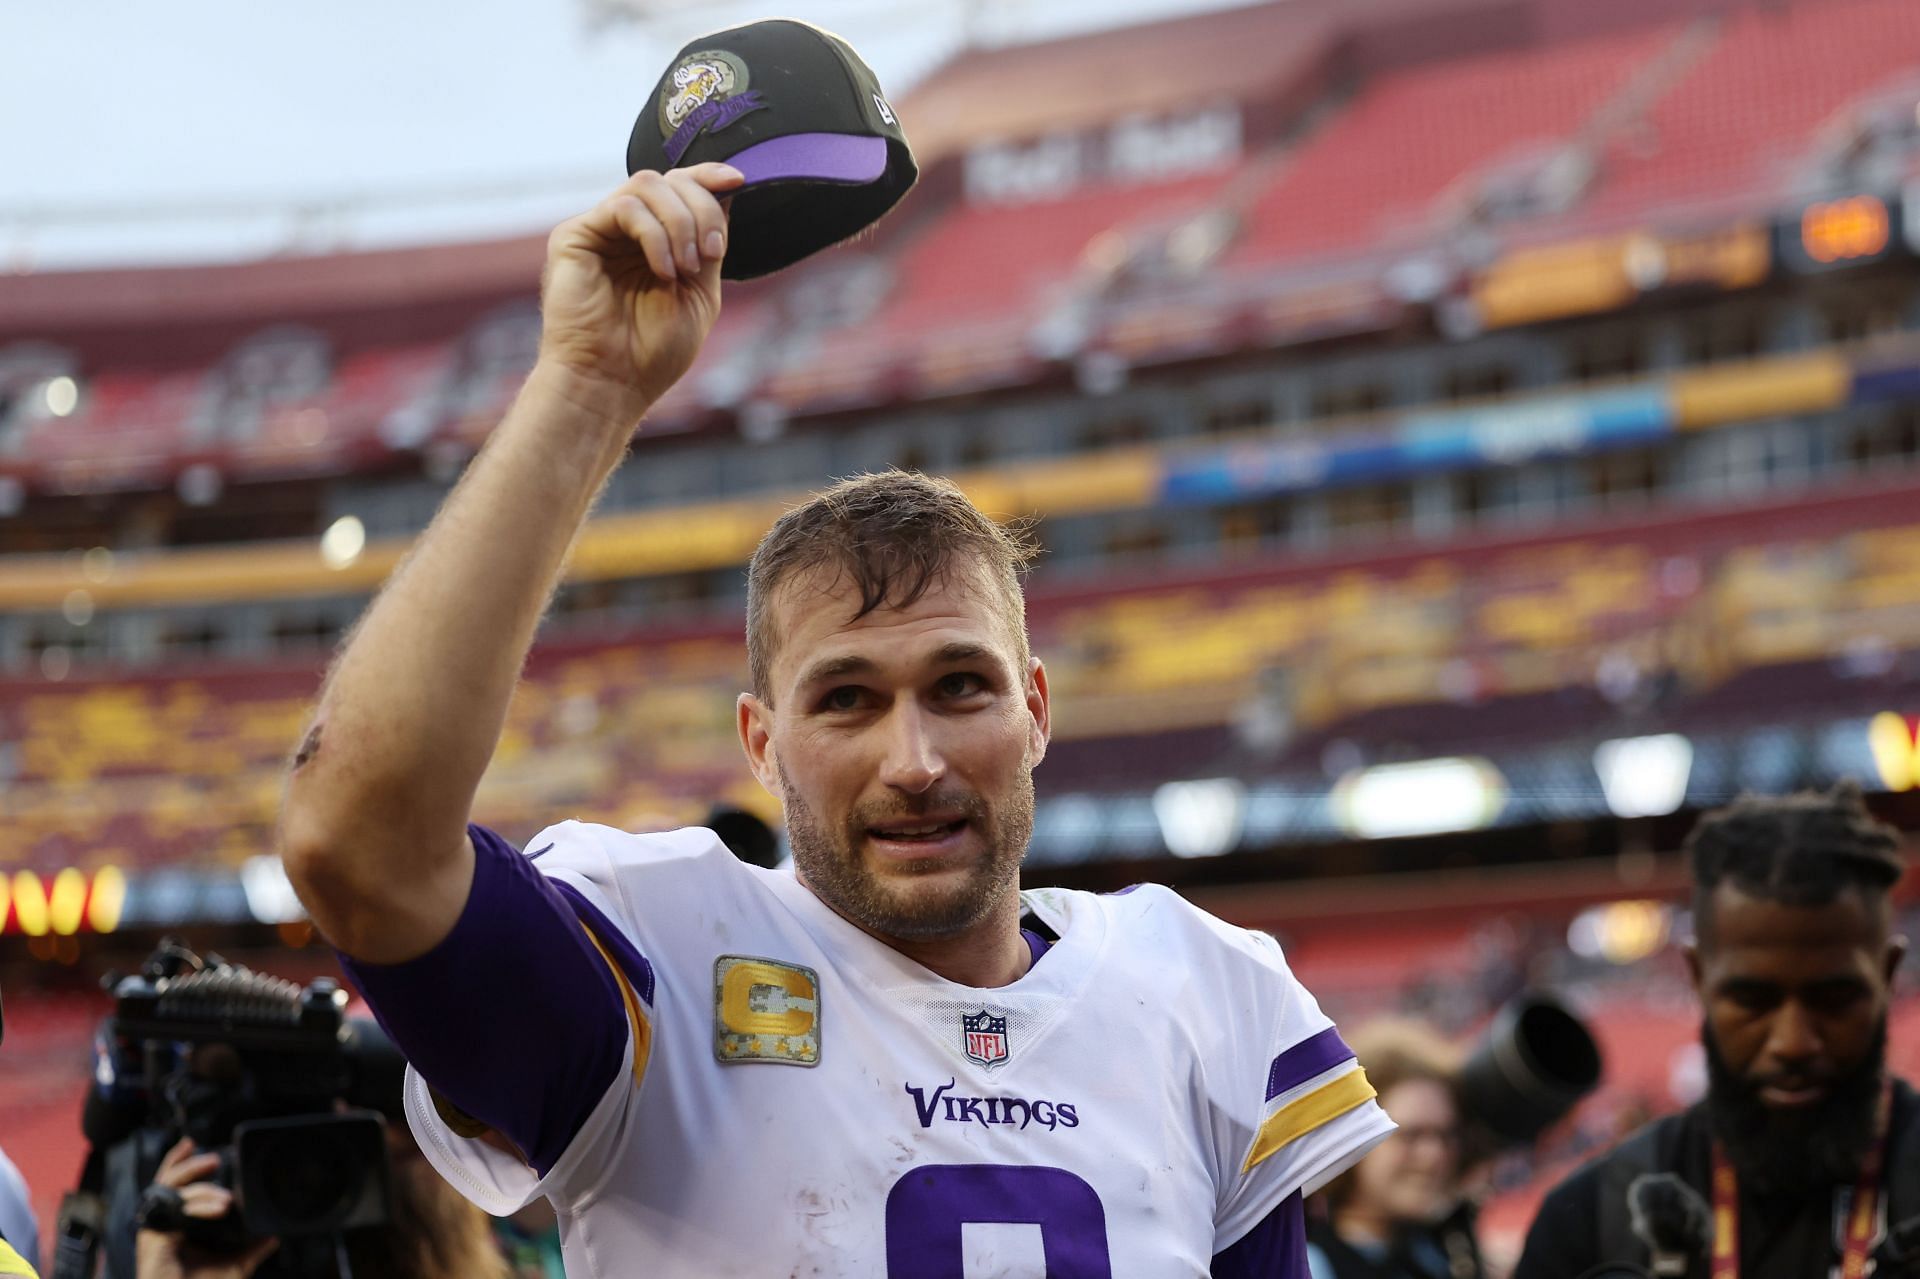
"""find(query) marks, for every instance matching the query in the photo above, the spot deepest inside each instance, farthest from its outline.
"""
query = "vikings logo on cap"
(704, 93)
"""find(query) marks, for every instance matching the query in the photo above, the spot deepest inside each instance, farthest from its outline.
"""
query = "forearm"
(380, 792)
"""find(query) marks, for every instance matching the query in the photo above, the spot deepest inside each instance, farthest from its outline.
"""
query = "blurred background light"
(343, 541)
(1622, 932)
(270, 895)
(1200, 818)
(1644, 776)
(62, 396)
(1423, 798)
(1896, 756)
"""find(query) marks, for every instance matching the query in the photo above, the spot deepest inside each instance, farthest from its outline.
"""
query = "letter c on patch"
(767, 999)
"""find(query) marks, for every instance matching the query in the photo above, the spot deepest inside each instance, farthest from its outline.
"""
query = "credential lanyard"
(1863, 1208)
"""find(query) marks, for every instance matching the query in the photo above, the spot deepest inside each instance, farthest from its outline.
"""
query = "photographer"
(432, 1234)
(1804, 1159)
(1399, 1213)
(241, 1125)
(165, 1254)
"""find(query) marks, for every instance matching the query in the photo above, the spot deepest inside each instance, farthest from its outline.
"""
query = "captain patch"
(765, 1010)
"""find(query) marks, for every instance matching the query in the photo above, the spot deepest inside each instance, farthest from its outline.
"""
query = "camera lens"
(1532, 1065)
(309, 1183)
(1562, 1052)
(312, 1174)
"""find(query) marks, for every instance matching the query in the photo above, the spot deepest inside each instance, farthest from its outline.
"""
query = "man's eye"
(960, 685)
(845, 698)
(1835, 999)
(1753, 998)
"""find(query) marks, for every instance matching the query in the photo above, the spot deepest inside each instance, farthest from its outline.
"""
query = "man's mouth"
(925, 834)
(1791, 1093)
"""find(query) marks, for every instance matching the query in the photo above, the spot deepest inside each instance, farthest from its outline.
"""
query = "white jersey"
(799, 1098)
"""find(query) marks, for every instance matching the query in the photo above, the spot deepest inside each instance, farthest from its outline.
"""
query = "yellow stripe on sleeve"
(1303, 1114)
(636, 1014)
(12, 1263)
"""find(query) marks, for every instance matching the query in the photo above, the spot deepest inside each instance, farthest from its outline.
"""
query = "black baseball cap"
(795, 110)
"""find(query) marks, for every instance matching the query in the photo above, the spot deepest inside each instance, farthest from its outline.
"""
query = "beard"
(1780, 1151)
(898, 906)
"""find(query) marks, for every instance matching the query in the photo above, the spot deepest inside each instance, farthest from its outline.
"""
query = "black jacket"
(1583, 1221)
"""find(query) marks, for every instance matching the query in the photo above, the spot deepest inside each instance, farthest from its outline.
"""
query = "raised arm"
(373, 825)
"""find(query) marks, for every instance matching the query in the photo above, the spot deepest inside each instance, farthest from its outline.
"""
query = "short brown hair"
(896, 534)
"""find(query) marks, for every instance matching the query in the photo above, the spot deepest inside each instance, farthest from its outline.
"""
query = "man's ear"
(1896, 955)
(1040, 706)
(1691, 950)
(754, 719)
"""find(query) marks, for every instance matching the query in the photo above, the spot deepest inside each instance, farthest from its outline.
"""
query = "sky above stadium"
(137, 132)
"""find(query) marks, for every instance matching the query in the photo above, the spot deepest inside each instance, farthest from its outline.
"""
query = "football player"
(887, 1060)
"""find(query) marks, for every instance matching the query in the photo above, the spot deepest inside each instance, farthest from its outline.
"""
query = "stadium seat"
(152, 770)
(987, 273)
(1372, 176)
(129, 430)
(376, 401)
(1743, 118)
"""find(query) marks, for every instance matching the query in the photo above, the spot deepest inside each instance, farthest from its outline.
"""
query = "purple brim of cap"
(822, 157)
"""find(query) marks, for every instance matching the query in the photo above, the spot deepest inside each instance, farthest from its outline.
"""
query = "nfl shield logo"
(986, 1037)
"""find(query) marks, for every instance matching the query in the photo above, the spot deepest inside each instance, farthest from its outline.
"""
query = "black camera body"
(292, 1177)
(293, 1095)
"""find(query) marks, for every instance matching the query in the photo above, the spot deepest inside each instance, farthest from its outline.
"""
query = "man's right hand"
(633, 285)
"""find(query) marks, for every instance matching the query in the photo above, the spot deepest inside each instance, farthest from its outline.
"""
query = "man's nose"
(1792, 1039)
(912, 762)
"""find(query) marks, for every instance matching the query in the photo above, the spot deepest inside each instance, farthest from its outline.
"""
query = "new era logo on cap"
(801, 116)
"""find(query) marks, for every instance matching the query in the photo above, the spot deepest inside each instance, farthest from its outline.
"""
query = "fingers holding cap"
(668, 201)
(673, 217)
(635, 220)
(704, 191)
(708, 207)
(717, 178)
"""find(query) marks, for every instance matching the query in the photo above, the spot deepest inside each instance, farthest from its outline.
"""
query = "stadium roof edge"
(1076, 81)
(1090, 78)
(39, 304)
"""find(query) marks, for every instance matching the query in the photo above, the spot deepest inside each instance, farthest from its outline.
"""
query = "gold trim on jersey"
(636, 1011)
(12, 1263)
(1305, 1113)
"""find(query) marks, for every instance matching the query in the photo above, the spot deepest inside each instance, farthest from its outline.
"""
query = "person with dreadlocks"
(1804, 1158)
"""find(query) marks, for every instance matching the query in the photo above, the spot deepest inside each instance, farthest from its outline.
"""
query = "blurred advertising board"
(1586, 277)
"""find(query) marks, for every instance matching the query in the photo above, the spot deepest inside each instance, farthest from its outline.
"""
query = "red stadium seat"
(991, 270)
(349, 420)
(997, 260)
(1371, 176)
(128, 430)
(1742, 118)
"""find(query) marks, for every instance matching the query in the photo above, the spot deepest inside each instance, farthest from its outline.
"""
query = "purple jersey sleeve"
(1274, 1249)
(519, 969)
